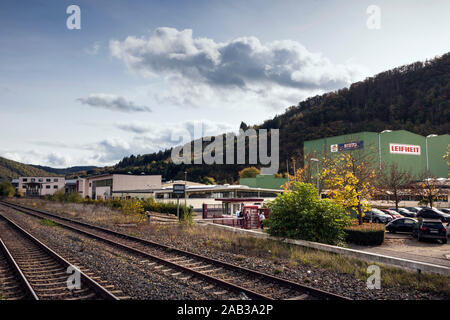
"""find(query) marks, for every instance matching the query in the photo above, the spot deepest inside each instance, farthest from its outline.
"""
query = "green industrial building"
(263, 182)
(409, 150)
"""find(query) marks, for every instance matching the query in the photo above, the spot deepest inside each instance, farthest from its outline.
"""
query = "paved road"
(406, 247)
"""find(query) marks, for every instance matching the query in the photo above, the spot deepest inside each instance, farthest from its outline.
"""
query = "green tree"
(299, 214)
(7, 189)
(251, 172)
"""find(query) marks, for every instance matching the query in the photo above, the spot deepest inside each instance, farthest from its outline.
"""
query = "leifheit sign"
(404, 149)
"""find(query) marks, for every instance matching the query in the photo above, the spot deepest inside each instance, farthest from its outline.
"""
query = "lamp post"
(185, 179)
(379, 145)
(317, 163)
(426, 146)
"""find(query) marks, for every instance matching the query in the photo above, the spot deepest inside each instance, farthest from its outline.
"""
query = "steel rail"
(310, 290)
(29, 292)
(92, 284)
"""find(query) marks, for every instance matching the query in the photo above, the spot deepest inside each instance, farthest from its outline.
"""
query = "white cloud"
(112, 102)
(94, 49)
(38, 157)
(199, 70)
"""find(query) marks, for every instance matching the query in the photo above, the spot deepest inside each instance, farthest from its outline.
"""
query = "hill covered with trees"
(413, 97)
(10, 169)
(66, 171)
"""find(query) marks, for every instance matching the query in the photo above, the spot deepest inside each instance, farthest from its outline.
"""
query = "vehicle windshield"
(433, 225)
(377, 211)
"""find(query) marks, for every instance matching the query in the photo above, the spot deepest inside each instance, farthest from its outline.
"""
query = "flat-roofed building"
(40, 186)
(105, 185)
(198, 194)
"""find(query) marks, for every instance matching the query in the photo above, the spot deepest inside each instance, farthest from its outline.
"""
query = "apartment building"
(40, 186)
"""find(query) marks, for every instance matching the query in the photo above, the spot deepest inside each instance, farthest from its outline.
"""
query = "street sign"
(178, 189)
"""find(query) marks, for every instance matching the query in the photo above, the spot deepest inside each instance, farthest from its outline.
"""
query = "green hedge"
(365, 237)
(148, 204)
(165, 207)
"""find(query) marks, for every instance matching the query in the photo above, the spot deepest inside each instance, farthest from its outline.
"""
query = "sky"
(140, 76)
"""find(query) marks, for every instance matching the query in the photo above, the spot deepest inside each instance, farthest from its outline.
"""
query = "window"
(24, 179)
(33, 179)
(48, 180)
(55, 187)
(55, 180)
(47, 187)
(41, 180)
(24, 186)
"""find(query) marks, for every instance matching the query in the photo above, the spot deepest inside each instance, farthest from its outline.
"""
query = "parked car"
(404, 212)
(401, 225)
(376, 216)
(433, 213)
(430, 229)
(392, 213)
(445, 210)
(413, 209)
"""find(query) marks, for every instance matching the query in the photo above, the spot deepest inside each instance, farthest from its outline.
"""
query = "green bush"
(7, 189)
(166, 207)
(124, 205)
(366, 235)
(299, 214)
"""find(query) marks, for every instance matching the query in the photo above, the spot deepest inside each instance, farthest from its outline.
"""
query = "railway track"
(183, 264)
(31, 270)
(13, 284)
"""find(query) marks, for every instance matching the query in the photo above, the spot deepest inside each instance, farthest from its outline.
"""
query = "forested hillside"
(66, 171)
(11, 169)
(414, 97)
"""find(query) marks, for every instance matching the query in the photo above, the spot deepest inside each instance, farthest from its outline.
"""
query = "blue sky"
(138, 74)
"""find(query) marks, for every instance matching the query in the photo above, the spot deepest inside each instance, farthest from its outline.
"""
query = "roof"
(240, 199)
(360, 133)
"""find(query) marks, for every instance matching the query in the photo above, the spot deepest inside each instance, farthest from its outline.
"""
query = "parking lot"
(406, 247)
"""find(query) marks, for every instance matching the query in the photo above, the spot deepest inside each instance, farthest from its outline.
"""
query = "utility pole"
(379, 145)
(317, 163)
(295, 174)
(185, 179)
(426, 147)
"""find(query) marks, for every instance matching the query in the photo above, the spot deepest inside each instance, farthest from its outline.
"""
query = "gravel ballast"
(321, 278)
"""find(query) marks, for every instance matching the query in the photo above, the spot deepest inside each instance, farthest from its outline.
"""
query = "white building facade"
(40, 186)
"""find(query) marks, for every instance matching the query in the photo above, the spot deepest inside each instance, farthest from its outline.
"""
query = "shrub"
(299, 214)
(250, 172)
(7, 189)
(366, 234)
(165, 207)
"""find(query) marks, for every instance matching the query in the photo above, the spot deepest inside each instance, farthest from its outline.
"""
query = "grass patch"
(292, 255)
(48, 223)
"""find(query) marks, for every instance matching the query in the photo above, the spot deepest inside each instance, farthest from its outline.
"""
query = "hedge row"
(148, 204)
(366, 235)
